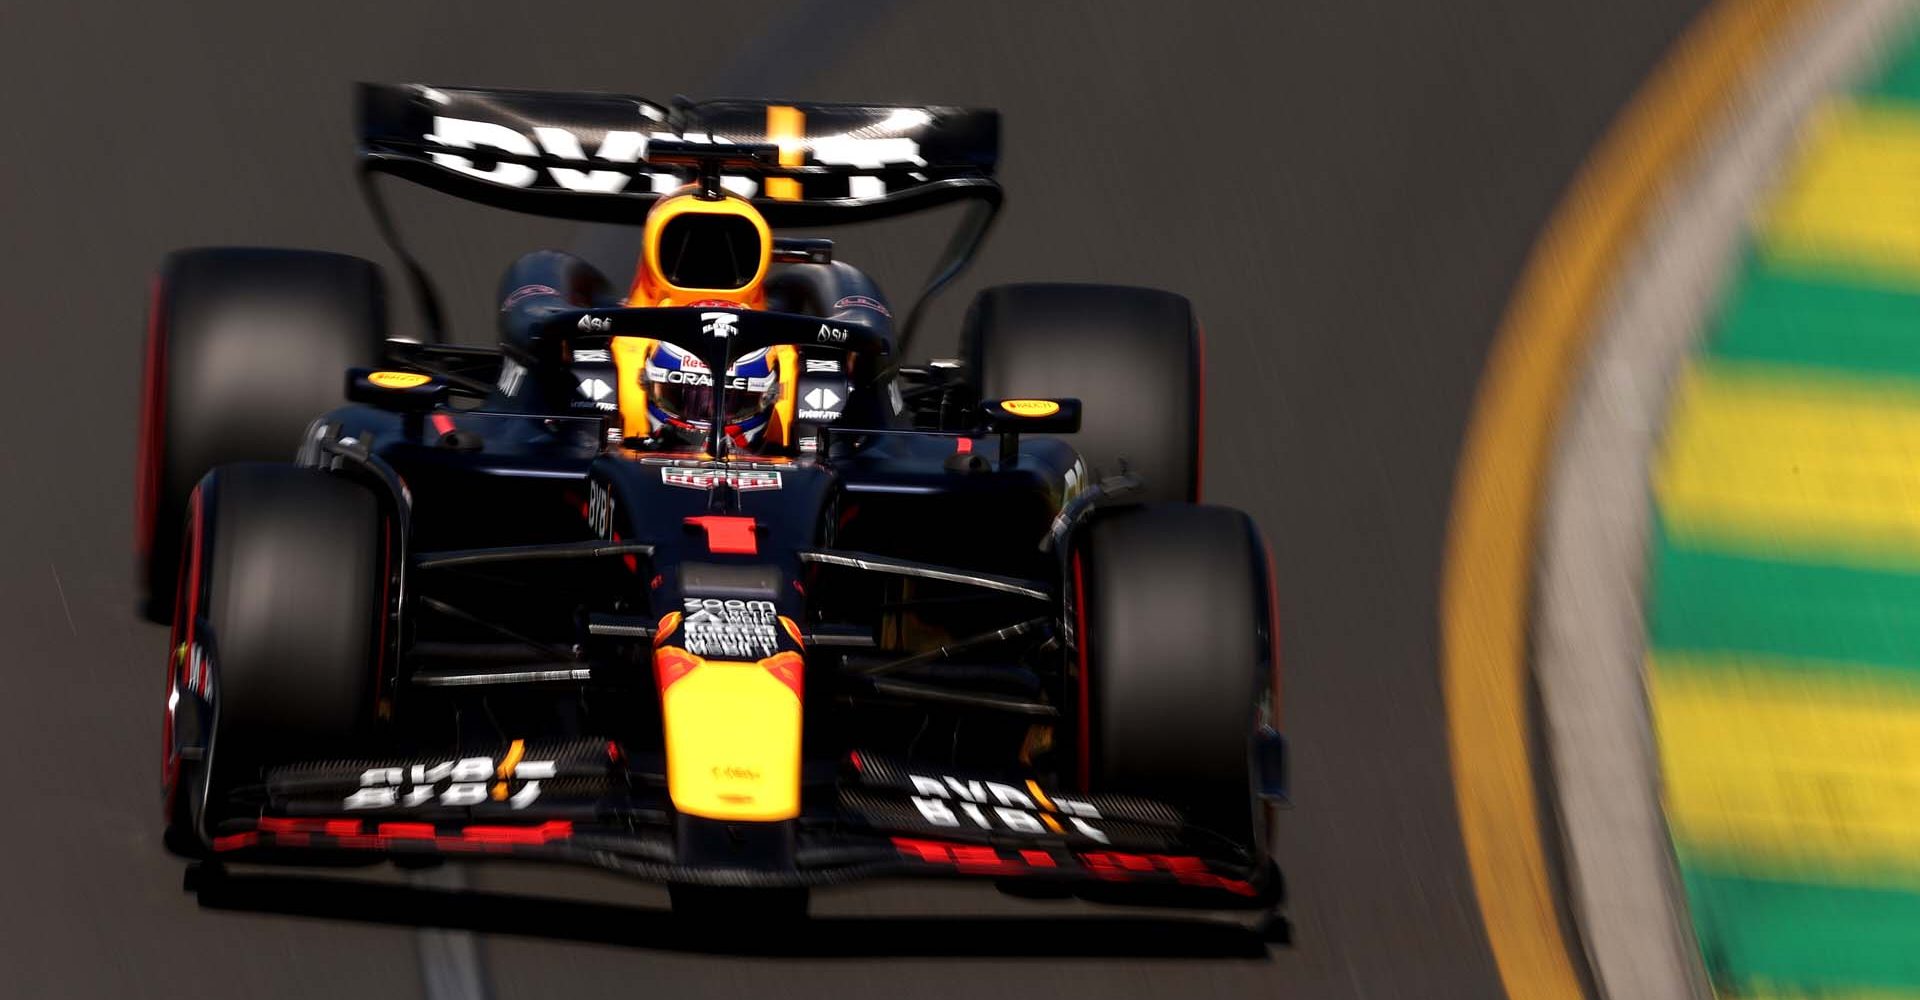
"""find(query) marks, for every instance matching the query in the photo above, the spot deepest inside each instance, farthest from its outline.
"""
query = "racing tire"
(292, 596)
(1130, 355)
(1174, 635)
(245, 348)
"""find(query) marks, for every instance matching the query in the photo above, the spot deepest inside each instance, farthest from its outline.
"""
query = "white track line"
(452, 966)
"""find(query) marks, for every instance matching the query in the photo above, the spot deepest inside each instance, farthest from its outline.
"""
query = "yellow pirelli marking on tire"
(1789, 460)
(1795, 767)
(1854, 200)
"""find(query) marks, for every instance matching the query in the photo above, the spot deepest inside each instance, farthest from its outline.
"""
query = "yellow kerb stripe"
(1795, 767)
(1792, 460)
(1853, 200)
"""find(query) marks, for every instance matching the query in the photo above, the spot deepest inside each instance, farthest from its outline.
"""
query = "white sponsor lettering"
(728, 609)
(732, 628)
(460, 133)
(936, 812)
(1007, 795)
(1017, 821)
(992, 805)
(1075, 807)
(464, 795)
(600, 508)
(512, 373)
(465, 782)
(867, 154)
(971, 791)
(742, 480)
(720, 324)
(1088, 831)
(618, 147)
(739, 383)
(625, 147)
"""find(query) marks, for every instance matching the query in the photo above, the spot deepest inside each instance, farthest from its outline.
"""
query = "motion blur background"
(1347, 191)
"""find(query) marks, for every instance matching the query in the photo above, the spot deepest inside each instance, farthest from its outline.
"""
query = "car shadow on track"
(1122, 936)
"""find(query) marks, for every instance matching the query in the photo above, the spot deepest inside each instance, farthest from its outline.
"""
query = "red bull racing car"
(691, 577)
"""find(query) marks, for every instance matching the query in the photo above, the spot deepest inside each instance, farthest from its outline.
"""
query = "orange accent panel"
(786, 125)
(650, 285)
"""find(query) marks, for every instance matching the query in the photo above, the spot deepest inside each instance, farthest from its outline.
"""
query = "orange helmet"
(702, 250)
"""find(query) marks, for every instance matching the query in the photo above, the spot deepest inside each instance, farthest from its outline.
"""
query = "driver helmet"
(679, 395)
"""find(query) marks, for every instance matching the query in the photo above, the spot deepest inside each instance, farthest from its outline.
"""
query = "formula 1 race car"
(694, 580)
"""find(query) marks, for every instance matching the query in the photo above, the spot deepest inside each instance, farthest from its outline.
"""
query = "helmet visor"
(688, 395)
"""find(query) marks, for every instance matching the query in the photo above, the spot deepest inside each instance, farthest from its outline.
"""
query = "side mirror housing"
(402, 392)
(1030, 416)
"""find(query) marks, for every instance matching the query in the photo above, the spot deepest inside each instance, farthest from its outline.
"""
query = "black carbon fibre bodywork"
(539, 558)
(898, 557)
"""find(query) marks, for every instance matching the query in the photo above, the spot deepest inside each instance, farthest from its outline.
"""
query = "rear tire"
(1130, 355)
(246, 347)
(293, 591)
(1173, 625)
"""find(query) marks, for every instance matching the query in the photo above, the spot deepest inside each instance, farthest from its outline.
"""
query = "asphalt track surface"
(1346, 190)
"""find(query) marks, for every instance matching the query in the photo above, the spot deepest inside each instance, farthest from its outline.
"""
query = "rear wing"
(586, 157)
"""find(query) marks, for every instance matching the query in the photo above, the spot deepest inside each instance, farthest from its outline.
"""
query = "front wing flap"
(583, 802)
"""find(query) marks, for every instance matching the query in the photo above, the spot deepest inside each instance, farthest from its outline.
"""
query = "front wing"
(586, 803)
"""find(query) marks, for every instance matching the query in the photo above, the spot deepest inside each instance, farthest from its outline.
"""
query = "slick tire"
(245, 348)
(1173, 624)
(293, 590)
(1130, 355)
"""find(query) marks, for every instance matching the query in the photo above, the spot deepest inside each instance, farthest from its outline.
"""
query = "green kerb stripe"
(1711, 601)
(1792, 938)
(1792, 313)
(1900, 80)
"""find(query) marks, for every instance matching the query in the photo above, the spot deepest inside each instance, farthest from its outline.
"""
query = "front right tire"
(1175, 659)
